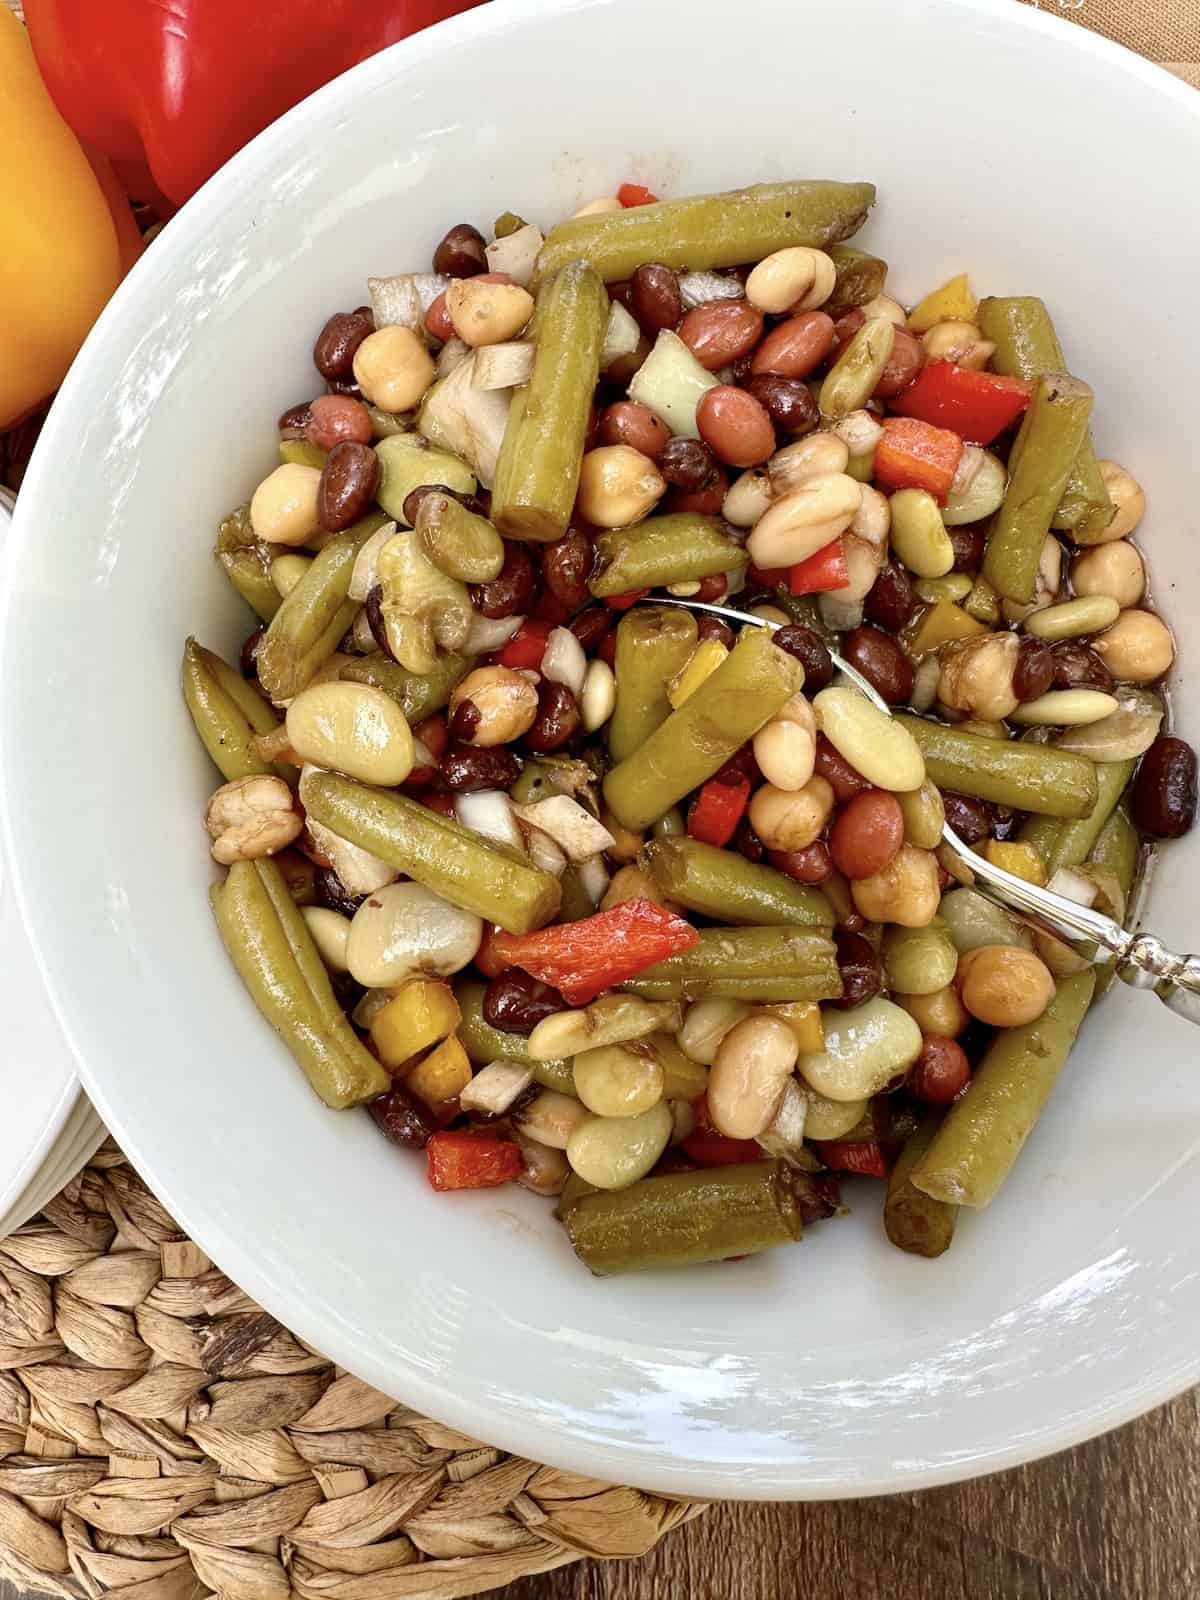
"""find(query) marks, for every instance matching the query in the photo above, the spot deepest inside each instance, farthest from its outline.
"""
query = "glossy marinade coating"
(684, 1218)
(974, 1150)
(224, 728)
(458, 542)
(1066, 844)
(417, 694)
(653, 642)
(915, 1222)
(492, 880)
(246, 562)
(726, 887)
(1028, 777)
(676, 548)
(695, 741)
(710, 230)
(538, 470)
(757, 964)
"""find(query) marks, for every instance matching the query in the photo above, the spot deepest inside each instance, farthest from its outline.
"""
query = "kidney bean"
(867, 835)
(705, 502)
(788, 402)
(969, 542)
(689, 465)
(567, 566)
(293, 424)
(891, 599)
(735, 426)
(1164, 791)
(813, 864)
(515, 1002)
(373, 610)
(337, 343)
(344, 386)
(591, 625)
(1006, 823)
(349, 479)
(881, 661)
(412, 500)
(333, 894)
(796, 347)
(547, 607)
(811, 651)
(741, 767)
(1076, 665)
(465, 720)
(903, 365)
(721, 331)
(466, 767)
(713, 589)
(557, 719)
(627, 422)
(940, 1073)
(461, 253)
(437, 319)
(714, 628)
(654, 298)
(336, 419)
(607, 651)
(846, 326)
(859, 966)
(747, 843)
(248, 660)
(970, 818)
(622, 293)
(1033, 673)
(402, 1119)
(440, 802)
(837, 771)
(511, 592)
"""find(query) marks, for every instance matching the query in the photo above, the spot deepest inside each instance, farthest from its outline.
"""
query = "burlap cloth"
(163, 1437)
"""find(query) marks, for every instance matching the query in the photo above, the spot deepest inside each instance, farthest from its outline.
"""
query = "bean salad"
(620, 901)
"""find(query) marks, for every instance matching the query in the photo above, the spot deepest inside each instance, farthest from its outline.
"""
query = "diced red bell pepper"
(527, 646)
(768, 577)
(580, 959)
(472, 1161)
(823, 571)
(916, 455)
(717, 810)
(635, 194)
(864, 1156)
(710, 1149)
(622, 602)
(978, 406)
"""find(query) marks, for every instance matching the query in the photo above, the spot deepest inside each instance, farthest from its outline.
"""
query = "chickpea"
(977, 676)
(618, 485)
(941, 1012)
(1115, 569)
(786, 749)
(505, 703)
(393, 368)
(1003, 985)
(483, 312)
(284, 507)
(790, 821)
(752, 1068)
(906, 892)
(1137, 648)
(1127, 495)
(960, 342)
(626, 843)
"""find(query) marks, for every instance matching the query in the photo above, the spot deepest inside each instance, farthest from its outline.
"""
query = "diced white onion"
(594, 878)
(503, 366)
(495, 1087)
(569, 824)
(403, 300)
(564, 661)
(490, 813)
(621, 336)
(489, 633)
(1073, 885)
(698, 288)
(516, 253)
(544, 853)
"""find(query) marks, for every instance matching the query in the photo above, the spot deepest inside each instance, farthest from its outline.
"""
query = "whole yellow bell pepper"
(61, 258)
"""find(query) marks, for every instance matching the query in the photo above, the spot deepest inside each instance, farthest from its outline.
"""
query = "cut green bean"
(538, 470)
(493, 880)
(1118, 849)
(860, 277)
(694, 742)
(1039, 465)
(1028, 777)
(1026, 347)
(254, 706)
(417, 695)
(913, 1221)
(676, 548)
(726, 887)
(483, 1043)
(1066, 844)
(709, 230)
(246, 562)
(300, 453)
(653, 642)
(771, 964)
(223, 726)
(459, 543)
(973, 1151)
(684, 1218)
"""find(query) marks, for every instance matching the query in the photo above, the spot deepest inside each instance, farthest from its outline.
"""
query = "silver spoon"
(1142, 961)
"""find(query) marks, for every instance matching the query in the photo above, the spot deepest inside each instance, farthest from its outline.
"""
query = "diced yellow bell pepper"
(442, 1076)
(938, 625)
(953, 302)
(983, 603)
(701, 664)
(683, 1078)
(423, 1012)
(803, 1017)
(1019, 858)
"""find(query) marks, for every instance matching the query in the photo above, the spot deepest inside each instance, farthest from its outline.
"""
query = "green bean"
(483, 1043)
(246, 562)
(1027, 777)
(670, 825)
(577, 898)
(538, 470)
(983, 603)
(313, 619)
(919, 960)
(1026, 346)
(1066, 844)
(1118, 849)
(292, 989)
(973, 1151)
(851, 380)
(254, 706)
(770, 964)
(224, 729)
(508, 222)
(672, 549)
(914, 1221)
(726, 887)
(684, 1218)
(493, 880)
(709, 230)
(860, 277)
(417, 696)
(694, 742)
(573, 1191)
(299, 452)
(1038, 467)
(459, 543)
(653, 643)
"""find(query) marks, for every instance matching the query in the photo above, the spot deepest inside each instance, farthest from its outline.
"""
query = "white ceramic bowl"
(1038, 156)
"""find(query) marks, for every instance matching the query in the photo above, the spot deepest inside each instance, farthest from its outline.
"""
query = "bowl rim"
(314, 1322)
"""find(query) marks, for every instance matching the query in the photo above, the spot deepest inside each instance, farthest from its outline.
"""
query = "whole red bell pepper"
(978, 406)
(171, 91)
(579, 959)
